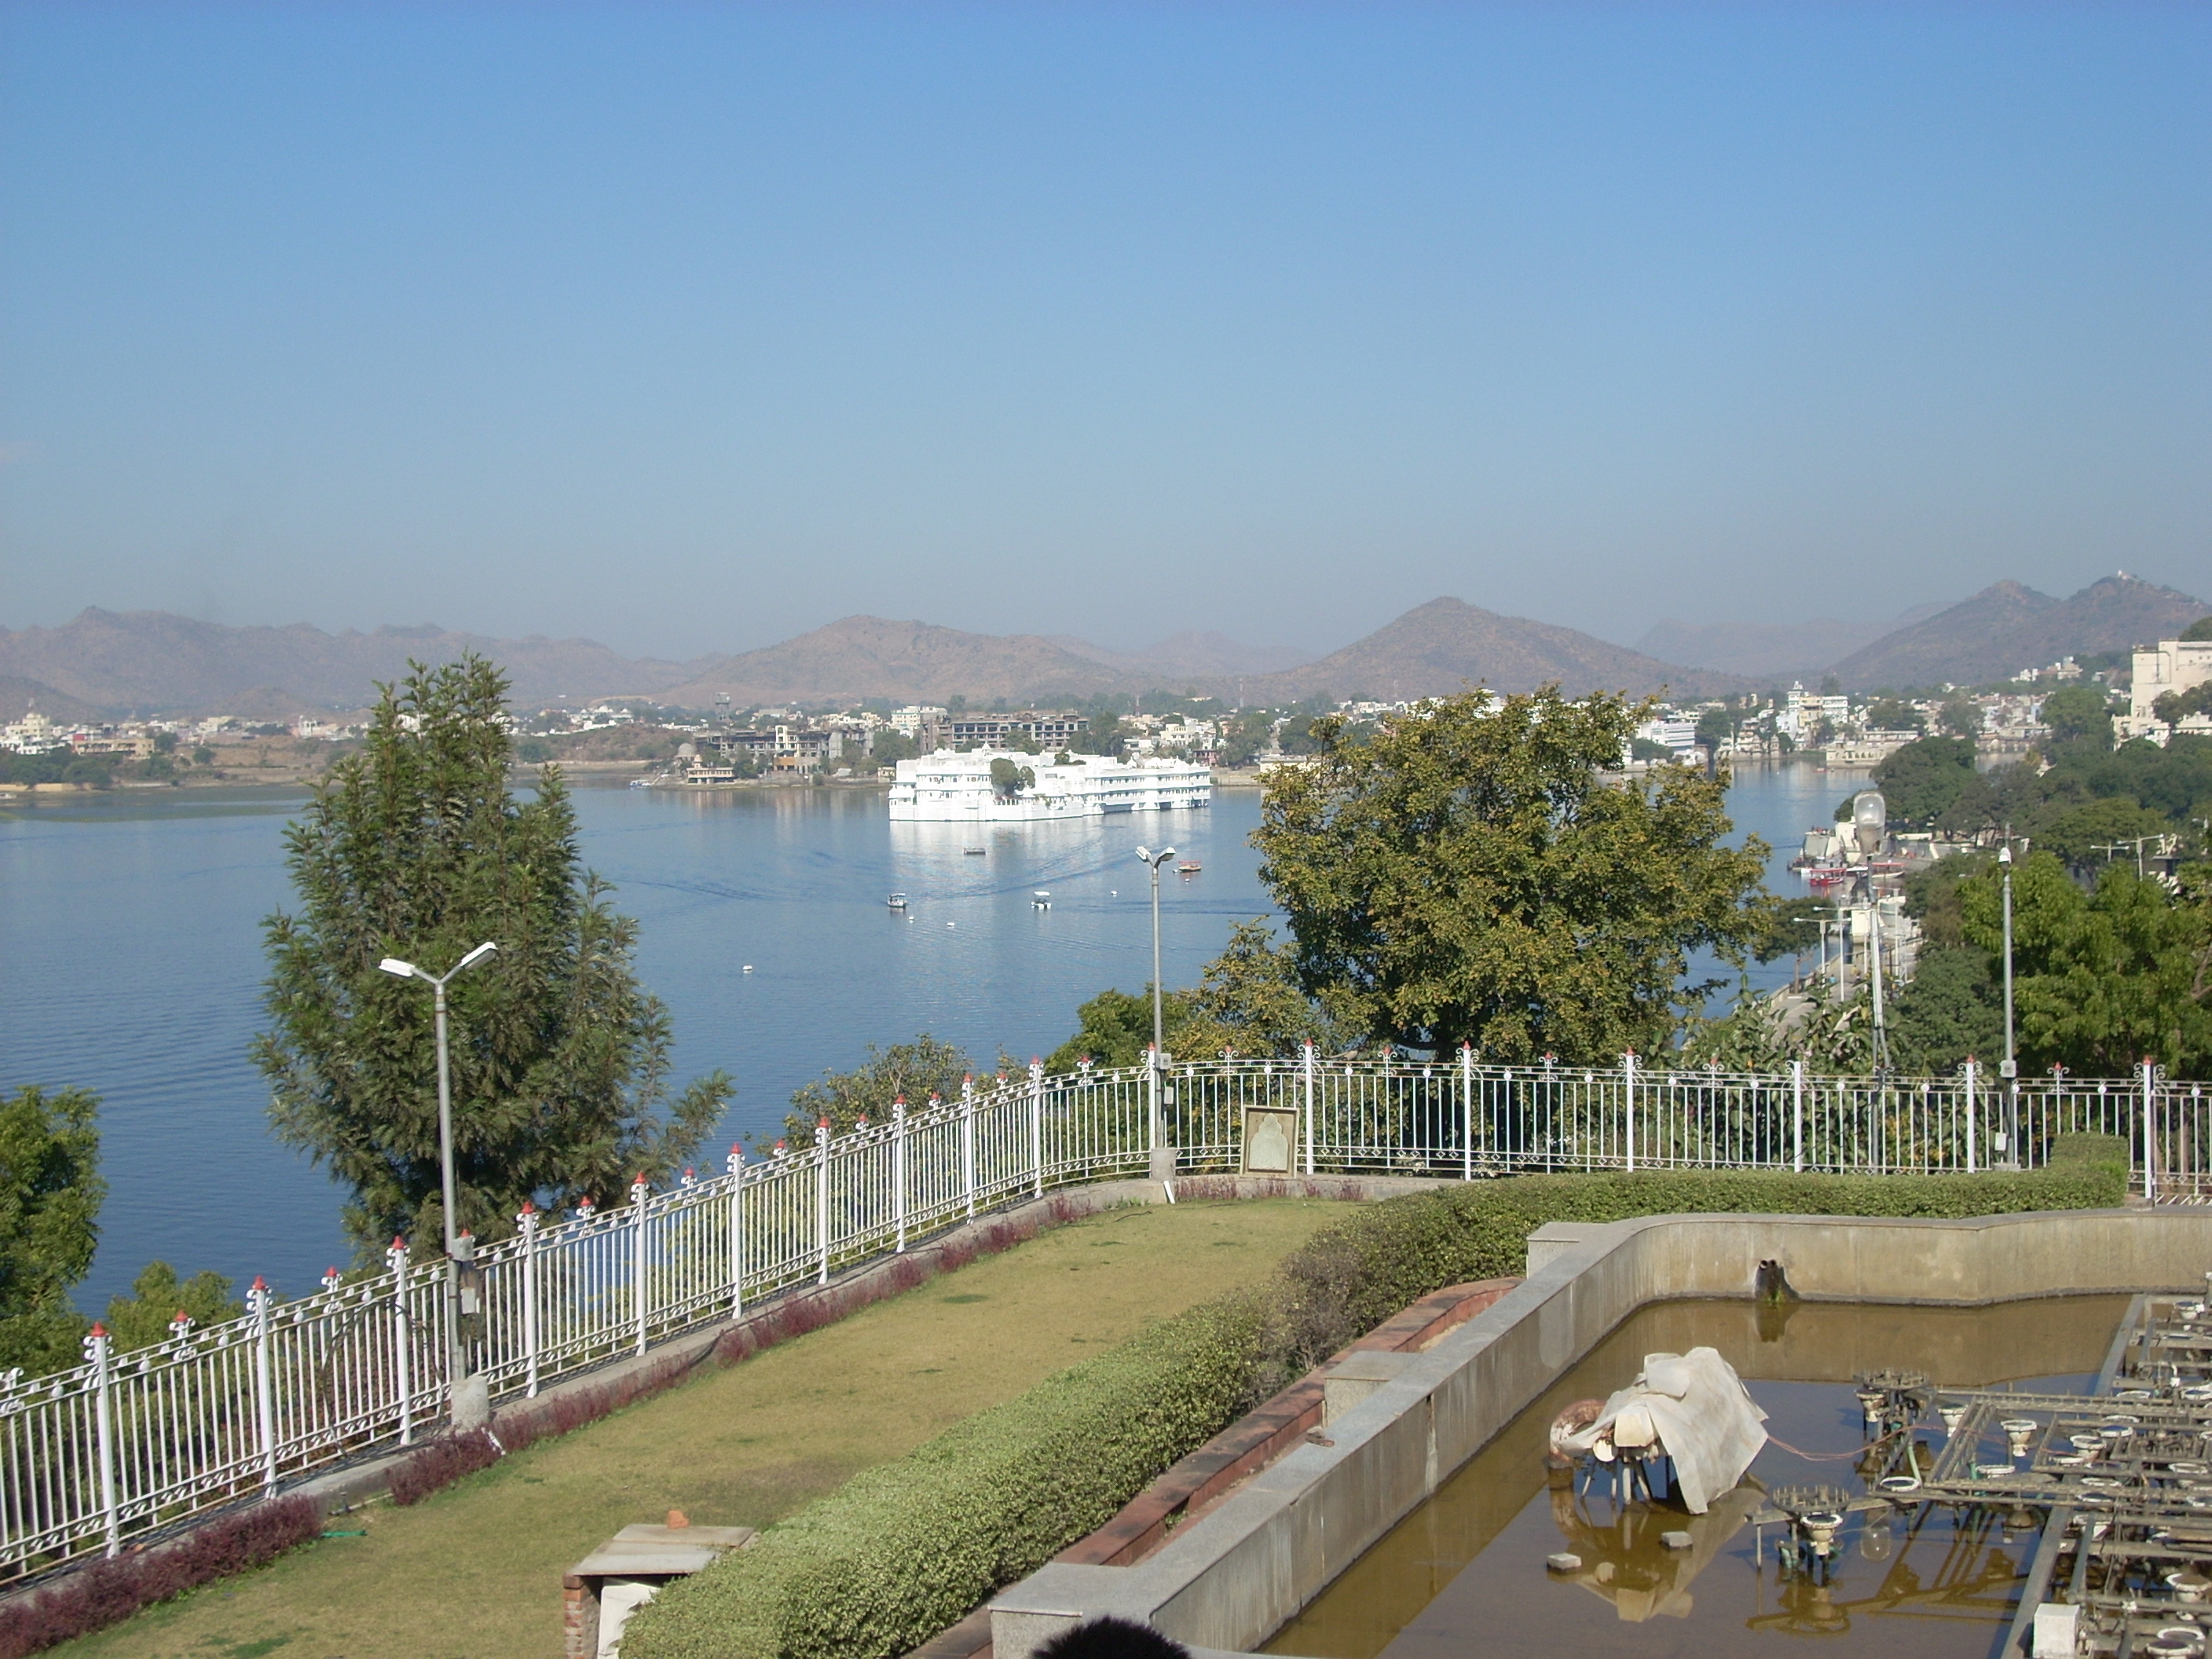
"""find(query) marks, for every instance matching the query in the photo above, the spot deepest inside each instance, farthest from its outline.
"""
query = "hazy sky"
(689, 327)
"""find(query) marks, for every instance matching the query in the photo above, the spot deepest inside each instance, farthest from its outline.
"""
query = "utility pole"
(2009, 1069)
(1874, 965)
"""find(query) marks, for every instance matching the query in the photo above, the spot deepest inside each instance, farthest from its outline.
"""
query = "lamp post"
(1163, 1157)
(456, 1349)
(2009, 1068)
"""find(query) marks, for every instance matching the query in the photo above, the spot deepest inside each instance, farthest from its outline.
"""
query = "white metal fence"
(129, 1443)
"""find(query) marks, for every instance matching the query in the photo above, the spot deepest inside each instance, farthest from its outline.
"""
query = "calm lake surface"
(131, 964)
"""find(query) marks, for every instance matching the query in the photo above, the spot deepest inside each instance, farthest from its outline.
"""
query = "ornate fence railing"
(129, 1443)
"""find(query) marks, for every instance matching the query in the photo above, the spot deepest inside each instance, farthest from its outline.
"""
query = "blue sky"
(689, 327)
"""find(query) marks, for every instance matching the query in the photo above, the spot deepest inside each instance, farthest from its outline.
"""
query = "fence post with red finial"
(968, 1141)
(735, 1164)
(525, 1222)
(1467, 1110)
(898, 1171)
(821, 1200)
(1037, 1121)
(97, 1347)
(265, 1409)
(402, 1341)
(638, 1192)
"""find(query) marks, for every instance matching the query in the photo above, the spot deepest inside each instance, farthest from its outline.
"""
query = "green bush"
(1352, 1276)
(902, 1551)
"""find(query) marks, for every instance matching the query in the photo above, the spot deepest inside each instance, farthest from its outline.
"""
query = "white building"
(908, 721)
(951, 786)
(2169, 666)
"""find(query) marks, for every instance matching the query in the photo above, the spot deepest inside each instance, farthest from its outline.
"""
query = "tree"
(1115, 1028)
(2078, 715)
(2199, 629)
(50, 1195)
(1960, 717)
(2175, 706)
(1009, 779)
(1924, 779)
(915, 1070)
(1717, 729)
(2103, 979)
(1463, 875)
(1892, 715)
(157, 1297)
(413, 847)
(2095, 832)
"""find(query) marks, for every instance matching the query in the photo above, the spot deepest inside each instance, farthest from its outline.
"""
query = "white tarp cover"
(1706, 1421)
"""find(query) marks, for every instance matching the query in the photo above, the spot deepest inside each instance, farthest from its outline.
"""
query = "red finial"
(690, 1172)
(259, 1283)
(399, 1241)
(822, 1122)
(98, 1329)
(181, 1316)
(528, 1208)
(899, 1099)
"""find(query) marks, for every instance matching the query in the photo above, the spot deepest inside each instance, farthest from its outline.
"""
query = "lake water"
(131, 964)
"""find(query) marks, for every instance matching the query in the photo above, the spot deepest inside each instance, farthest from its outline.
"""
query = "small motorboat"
(1188, 867)
(1040, 899)
(897, 901)
(972, 852)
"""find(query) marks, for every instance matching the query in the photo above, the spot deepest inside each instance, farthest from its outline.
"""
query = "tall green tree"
(1468, 873)
(2103, 979)
(414, 848)
(50, 1195)
(1924, 779)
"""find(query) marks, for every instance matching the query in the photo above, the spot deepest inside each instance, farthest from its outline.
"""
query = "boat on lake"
(897, 901)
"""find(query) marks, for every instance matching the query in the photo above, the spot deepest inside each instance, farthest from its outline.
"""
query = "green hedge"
(1359, 1271)
(902, 1551)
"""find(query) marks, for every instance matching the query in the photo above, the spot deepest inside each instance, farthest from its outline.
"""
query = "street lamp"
(1162, 1159)
(2009, 1070)
(457, 1350)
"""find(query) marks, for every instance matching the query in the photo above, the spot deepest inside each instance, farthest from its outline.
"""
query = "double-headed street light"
(457, 1350)
(1163, 1160)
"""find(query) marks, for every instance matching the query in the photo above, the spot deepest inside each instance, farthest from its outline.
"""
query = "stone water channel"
(1465, 1572)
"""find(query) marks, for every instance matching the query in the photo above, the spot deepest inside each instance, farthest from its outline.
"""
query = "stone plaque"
(1271, 1141)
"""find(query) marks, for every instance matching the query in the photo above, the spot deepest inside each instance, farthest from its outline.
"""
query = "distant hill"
(2009, 627)
(156, 663)
(1187, 656)
(1440, 647)
(1768, 651)
(861, 657)
(18, 696)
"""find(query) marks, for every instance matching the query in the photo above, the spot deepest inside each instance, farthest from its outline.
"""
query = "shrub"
(903, 1550)
(1350, 1277)
(900, 1551)
(108, 1592)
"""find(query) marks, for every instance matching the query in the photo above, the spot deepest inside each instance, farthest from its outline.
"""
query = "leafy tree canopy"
(1891, 715)
(2078, 715)
(158, 1296)
(2199, 629)
(414, 848)
(50, 1196)
(1924, 779)
(1464, 873)
(915, 1070)
(2104, 978)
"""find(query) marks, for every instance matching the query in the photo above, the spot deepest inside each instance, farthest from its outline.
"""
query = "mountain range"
(152, 662)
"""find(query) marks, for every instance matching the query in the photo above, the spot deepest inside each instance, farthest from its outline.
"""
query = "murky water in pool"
(1464, 1574)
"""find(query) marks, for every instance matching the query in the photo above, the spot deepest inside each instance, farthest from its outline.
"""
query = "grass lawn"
(475, 1572)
